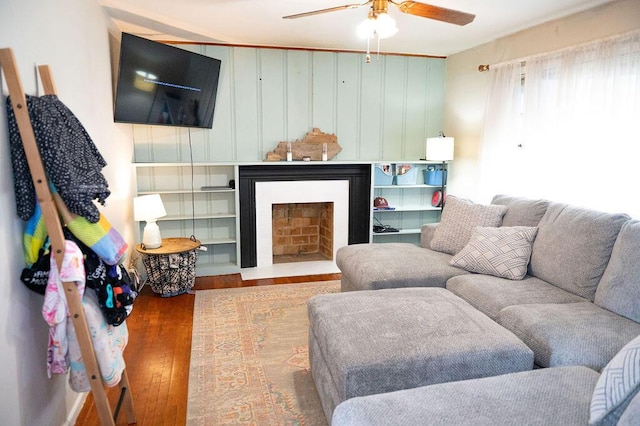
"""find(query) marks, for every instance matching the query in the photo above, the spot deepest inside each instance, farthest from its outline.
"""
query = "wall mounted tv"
(164, 85)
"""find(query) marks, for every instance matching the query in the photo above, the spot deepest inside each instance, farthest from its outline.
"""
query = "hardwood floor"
(159, 350)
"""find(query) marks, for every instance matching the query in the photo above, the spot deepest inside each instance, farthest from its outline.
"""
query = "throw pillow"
(459, 218)
(501, 252)
(617, 385)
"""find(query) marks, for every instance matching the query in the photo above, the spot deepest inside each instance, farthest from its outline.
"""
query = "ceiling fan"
(411, 7)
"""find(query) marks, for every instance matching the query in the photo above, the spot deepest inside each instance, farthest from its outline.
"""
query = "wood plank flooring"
(159, 350)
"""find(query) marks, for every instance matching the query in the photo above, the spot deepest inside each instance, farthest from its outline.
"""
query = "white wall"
(467, 90)
(72, 37)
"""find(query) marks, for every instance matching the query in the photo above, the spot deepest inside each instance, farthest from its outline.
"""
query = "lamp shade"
(385, 26)
(366, 28)
(148, 207)
(439, 149)
(382, 25)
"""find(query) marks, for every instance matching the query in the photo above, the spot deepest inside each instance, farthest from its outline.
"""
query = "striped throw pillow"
(617, 385)
(502, 252)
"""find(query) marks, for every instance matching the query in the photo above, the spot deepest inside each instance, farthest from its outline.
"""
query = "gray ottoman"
(371, 342)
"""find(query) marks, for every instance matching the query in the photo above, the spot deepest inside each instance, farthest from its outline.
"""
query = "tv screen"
(164, 85)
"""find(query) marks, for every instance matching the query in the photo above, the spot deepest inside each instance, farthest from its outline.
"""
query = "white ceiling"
(260, 23)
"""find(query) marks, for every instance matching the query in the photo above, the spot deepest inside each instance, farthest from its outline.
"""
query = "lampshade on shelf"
(439, 149)
(149, 208)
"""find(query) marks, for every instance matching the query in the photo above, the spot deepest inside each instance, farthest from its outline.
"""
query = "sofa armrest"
(426, 234)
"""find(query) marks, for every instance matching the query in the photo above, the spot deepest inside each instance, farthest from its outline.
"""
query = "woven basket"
(171, 274)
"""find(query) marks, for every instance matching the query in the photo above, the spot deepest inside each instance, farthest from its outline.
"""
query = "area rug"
(249, 356)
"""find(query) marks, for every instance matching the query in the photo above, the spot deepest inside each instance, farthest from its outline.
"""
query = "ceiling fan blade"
(435, 12)
(331, 9)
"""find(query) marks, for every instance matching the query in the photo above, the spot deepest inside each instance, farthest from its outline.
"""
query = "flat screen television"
(164, 85)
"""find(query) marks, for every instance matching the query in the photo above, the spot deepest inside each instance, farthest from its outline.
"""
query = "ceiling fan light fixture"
(385, 26)
(366, 28)
(381, 26)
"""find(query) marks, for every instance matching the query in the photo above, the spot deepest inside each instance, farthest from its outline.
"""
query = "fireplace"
(261, 186)
(300, 192)
(302, 232)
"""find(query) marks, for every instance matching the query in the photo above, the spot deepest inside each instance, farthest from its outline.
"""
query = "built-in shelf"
(408, 231)
(187, 191)
(407, 209)
(410, 198)
(215, 241)
(198, 216)
(201, 200)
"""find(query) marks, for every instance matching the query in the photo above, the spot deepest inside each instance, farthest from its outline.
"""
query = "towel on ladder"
(71, 160)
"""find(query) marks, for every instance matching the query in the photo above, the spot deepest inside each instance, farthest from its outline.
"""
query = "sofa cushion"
(426, 234)
(491, 294)
(617, 385)
(393, 265)
(521, 211)
(619, 288)
(501, 252)
(631, 415)
(573, 247)
(570, 333)
(459, 218)
(554, 396)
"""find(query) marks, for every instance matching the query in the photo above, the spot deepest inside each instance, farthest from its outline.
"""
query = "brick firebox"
(302, 231)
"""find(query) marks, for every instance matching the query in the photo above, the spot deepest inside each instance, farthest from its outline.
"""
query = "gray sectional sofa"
(563, 280)
(562, 396)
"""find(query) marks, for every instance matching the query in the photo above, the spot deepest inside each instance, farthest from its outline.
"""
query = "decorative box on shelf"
(383, 175)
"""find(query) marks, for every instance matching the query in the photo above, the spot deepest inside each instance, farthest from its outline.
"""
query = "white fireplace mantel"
(281, 192)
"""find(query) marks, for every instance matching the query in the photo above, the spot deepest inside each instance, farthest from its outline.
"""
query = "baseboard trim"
(76, 408)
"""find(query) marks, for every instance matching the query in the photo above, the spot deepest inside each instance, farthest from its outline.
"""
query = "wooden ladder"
(54, 228)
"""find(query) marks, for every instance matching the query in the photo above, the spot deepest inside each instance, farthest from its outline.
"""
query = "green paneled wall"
(383, 110)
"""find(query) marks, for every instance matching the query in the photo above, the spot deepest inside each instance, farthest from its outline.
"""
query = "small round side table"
(171, 268)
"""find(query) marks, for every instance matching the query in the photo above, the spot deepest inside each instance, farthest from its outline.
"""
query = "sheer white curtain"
(571, 131)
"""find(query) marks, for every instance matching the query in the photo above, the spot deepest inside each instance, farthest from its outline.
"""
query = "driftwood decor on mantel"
(309, 147)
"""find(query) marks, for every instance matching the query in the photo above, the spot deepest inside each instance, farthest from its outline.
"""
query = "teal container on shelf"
(433, 175)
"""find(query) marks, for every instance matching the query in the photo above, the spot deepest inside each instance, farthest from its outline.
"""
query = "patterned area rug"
(249, 357)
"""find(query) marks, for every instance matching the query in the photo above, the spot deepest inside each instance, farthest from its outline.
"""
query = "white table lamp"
(149, 208)
(440, 149)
